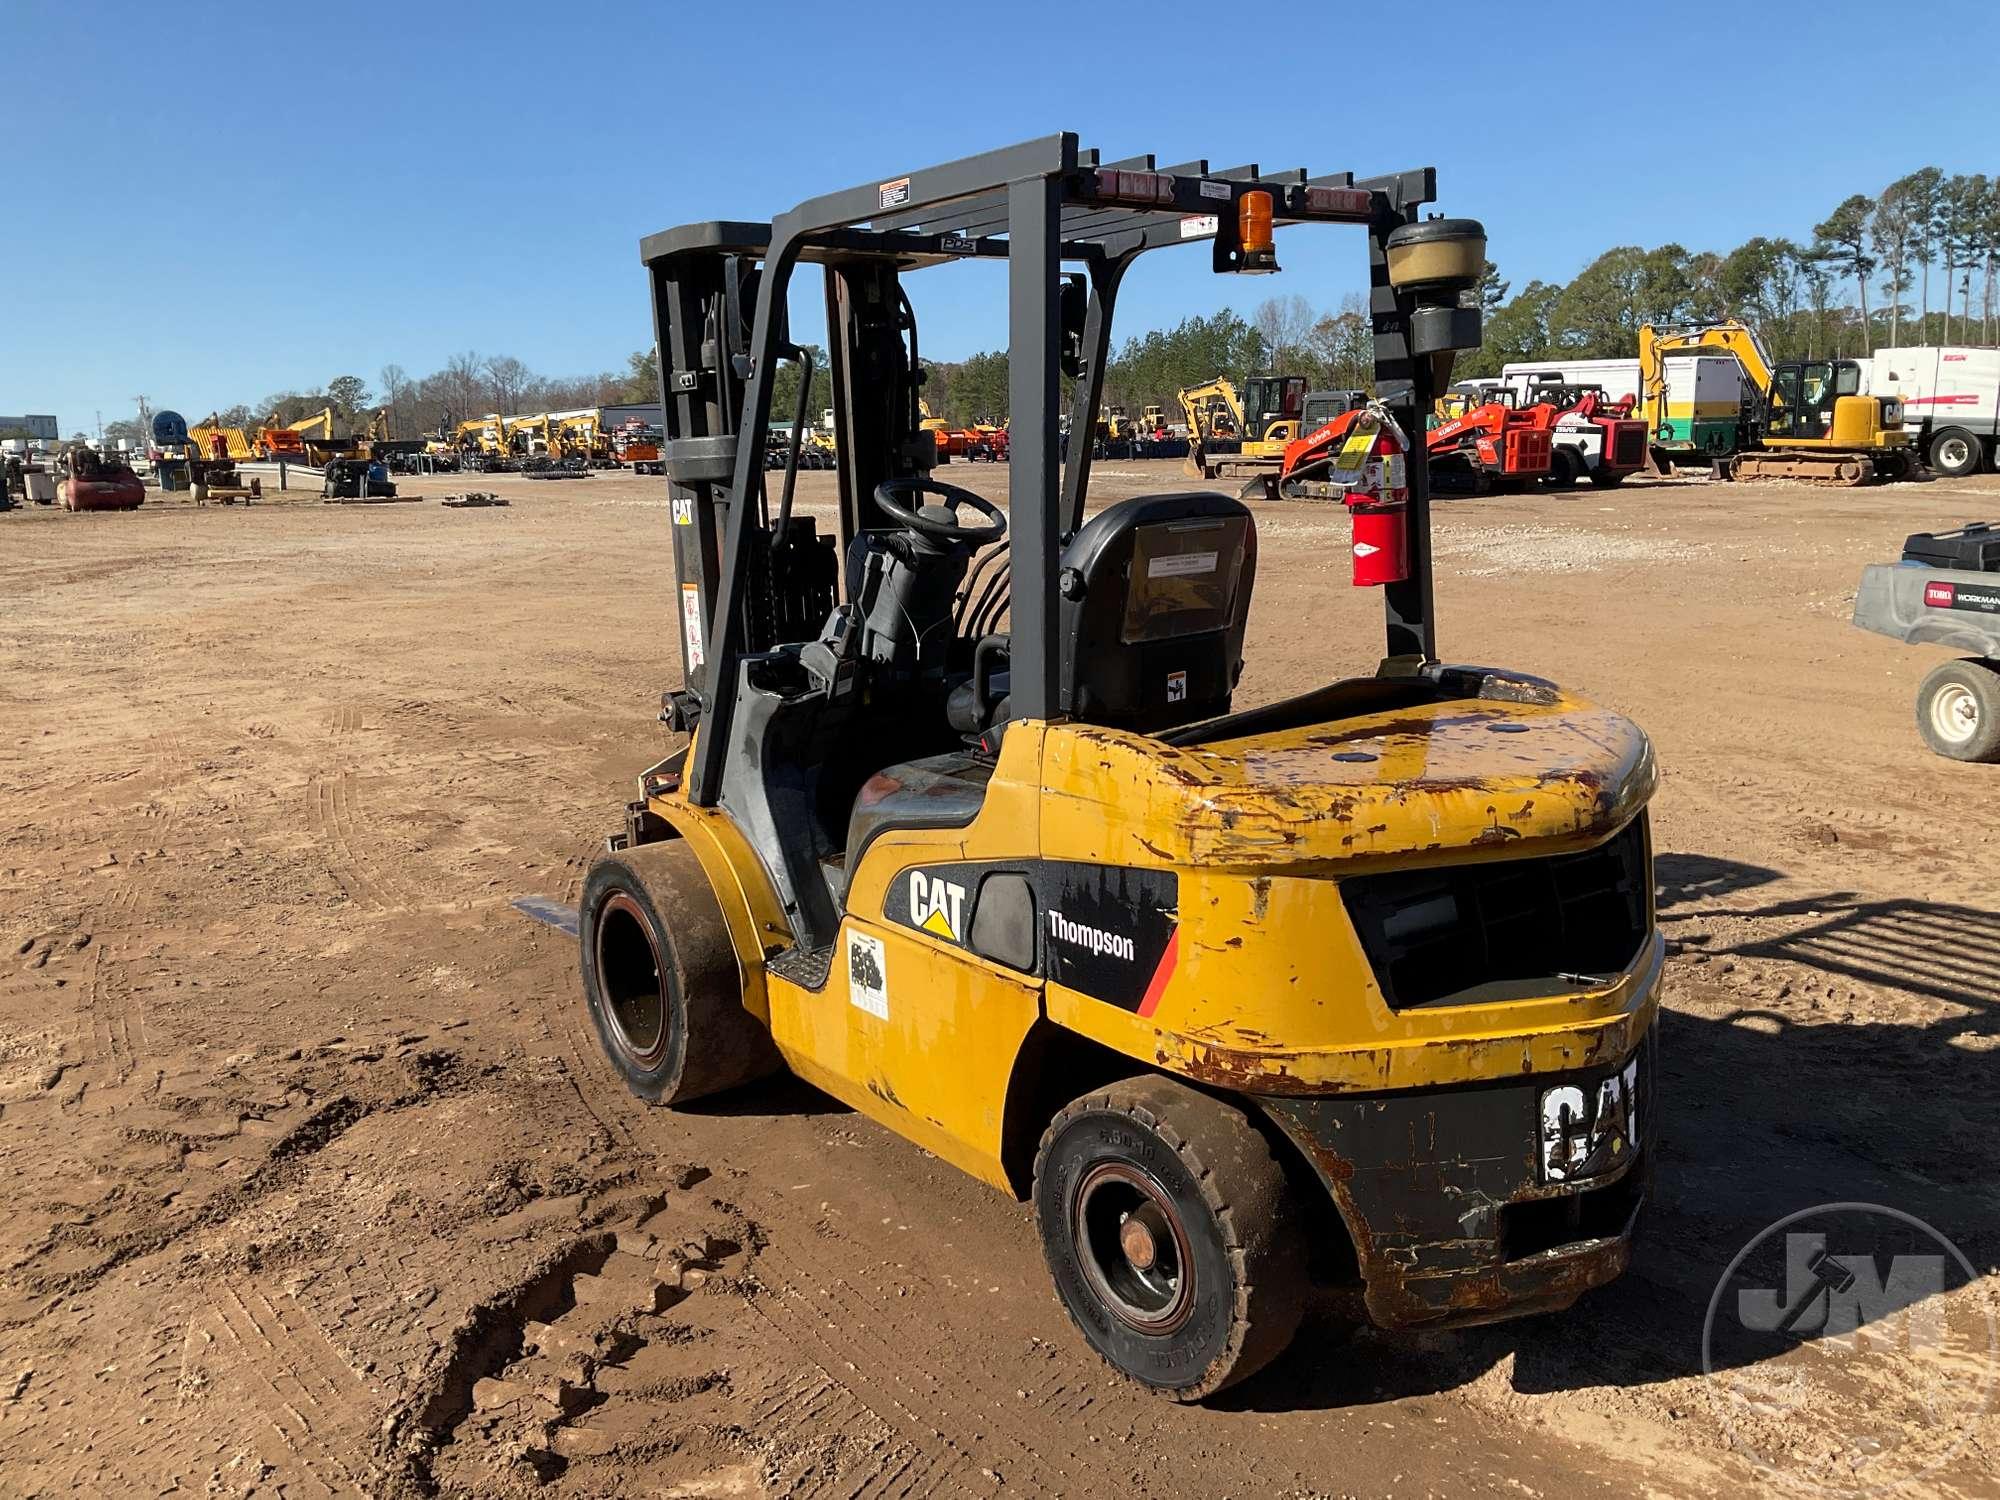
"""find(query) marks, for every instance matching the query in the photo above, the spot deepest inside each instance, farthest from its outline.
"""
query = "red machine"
(1492, 444)
(1361, 459)
(281, 442)
(1595, 437)
(97, 482)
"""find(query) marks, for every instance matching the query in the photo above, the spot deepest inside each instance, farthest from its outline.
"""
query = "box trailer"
(1705, 406)
(1951, 401)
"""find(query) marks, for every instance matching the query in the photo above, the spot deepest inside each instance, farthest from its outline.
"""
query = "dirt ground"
(315, 1183)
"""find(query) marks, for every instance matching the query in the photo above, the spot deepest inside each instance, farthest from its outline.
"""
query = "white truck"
(1951, 402)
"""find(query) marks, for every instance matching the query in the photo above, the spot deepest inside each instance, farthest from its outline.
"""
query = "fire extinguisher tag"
(1395, 475)
(1351, 467)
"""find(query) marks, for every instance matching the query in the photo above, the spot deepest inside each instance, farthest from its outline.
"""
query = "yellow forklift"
(1345, 996)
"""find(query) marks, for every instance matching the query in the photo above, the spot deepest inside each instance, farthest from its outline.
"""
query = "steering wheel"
(924, 522)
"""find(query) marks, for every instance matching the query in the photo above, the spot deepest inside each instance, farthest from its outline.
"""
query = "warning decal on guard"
(691, 623)
(894, 194)
(1109, 932)
(867, 975)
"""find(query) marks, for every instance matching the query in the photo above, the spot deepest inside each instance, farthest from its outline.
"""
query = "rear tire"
(666, 996)
(1958, 710)
(1171, 1234)
(1564, 468)
(1956, 453)
(1609, 481)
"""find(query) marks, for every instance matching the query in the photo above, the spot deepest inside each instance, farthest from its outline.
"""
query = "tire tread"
(1265, 1251)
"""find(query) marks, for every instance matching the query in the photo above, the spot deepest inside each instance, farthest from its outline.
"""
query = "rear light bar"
(1358, 202)
(1157, 189)
(1143, 188)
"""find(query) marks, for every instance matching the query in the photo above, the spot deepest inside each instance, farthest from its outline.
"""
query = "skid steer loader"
(1349, 995)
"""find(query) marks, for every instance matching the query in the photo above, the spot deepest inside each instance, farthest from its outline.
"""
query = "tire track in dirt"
(110, 1024)
(898, 1386)
(576, 868)
(566, 1026)
(313, 1405)
(335, 827)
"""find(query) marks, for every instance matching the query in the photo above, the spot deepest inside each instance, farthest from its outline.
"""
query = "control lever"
(829, 661)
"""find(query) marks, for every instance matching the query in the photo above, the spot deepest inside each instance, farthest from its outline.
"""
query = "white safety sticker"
(1180, 564)
(1195, 226)
(691, 623)
(1215, 190)
(894, 194)
(868, 974)
(683, 510)
(1176, 687)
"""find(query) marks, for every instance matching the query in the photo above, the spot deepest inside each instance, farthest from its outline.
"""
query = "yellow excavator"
(580, 434)
(1810, 422)
(480, 438)
(528, 436)
(1244, 436)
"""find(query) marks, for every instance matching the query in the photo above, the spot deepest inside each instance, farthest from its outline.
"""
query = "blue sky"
(395, 184)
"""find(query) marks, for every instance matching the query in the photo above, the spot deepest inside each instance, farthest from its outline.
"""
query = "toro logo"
(937, 906)
(1940, 595)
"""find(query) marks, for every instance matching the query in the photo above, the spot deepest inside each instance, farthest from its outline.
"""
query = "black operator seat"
(1154, 595)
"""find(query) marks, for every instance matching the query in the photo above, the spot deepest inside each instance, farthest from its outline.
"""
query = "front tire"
(1955, 453)
(1563, 468)
(1171, 1234)
(666, 997)
(1958, 710)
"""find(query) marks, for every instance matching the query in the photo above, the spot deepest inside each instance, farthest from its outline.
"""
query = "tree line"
(1915, 263)
(470, 385)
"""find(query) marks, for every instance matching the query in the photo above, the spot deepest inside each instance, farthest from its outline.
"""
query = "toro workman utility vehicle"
(1346, 995)
(1593, 437)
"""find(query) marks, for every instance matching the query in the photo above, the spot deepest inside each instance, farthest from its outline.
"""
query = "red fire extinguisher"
(1374, 466)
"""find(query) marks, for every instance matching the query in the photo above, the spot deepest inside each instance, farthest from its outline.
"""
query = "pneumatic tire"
(1171, 1234)
(1958, 710)
(1564, 466)
(661, 981)
(1956, 453)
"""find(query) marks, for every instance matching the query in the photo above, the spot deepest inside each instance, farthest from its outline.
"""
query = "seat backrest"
(1154, 594)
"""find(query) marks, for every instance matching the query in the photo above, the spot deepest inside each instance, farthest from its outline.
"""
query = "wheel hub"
(1137, 1242)
(1135, 1251)
(1955, 714)
(628, 967)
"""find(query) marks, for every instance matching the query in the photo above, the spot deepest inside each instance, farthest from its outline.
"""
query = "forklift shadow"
(782, 1094)
(1940, 950)
(1766, 1107)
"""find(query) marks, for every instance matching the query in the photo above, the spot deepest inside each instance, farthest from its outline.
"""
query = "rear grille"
(1505, 929)
(1630, 445)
